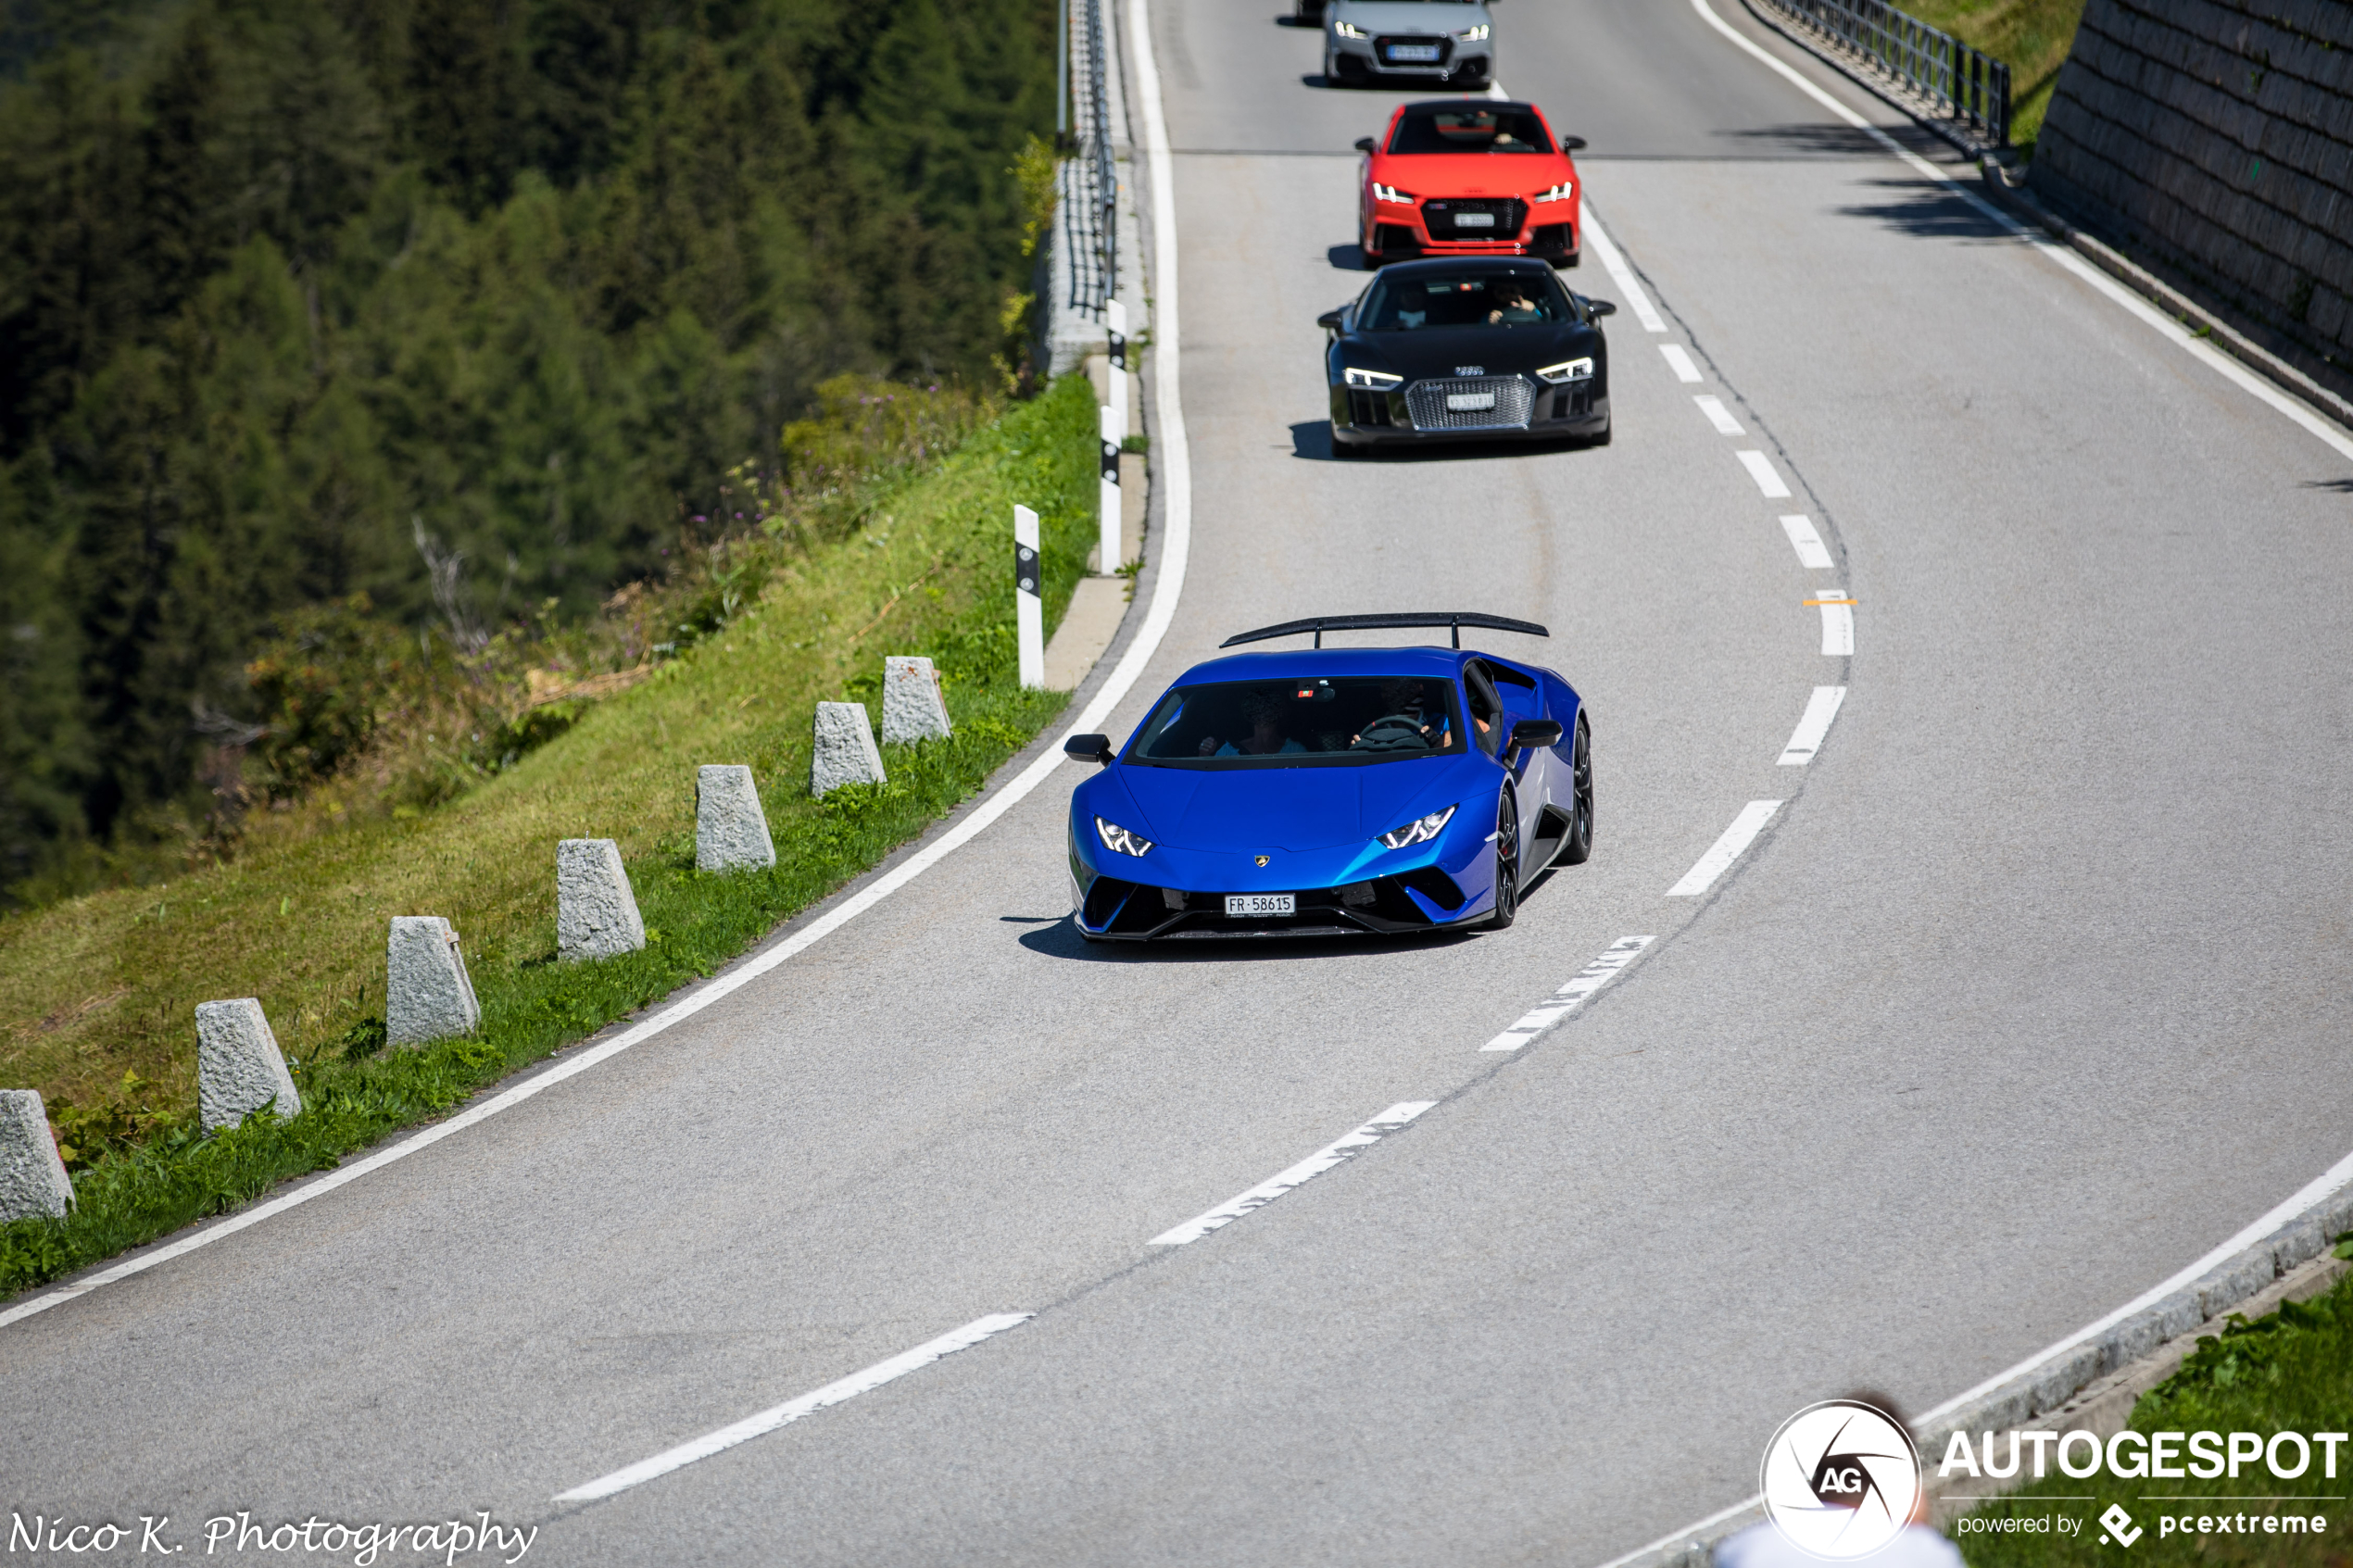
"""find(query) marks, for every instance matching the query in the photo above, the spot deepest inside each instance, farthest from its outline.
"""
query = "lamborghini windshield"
(1459, 128)
(1345, 721)
(1468, 298)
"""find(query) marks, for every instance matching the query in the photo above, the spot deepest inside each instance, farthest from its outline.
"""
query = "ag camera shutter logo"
(1841, 1480)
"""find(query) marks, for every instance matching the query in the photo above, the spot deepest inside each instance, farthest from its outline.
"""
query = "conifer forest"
(468, 306)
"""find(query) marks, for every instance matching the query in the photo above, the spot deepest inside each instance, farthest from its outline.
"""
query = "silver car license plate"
(1260, 904)
(1470, 402)
(1474, 220)
(1412, 51)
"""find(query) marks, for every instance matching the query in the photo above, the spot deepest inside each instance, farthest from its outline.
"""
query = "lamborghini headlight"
(1472, 34)
(1566, 370)
(1421, 830)
(1371, 381)
(1118, 840)
(1348, 30)
(1391, 193)
(1559, 193)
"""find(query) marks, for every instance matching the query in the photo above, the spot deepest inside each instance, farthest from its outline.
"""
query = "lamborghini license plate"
(1412, 52)
(1474, 220)
(1470, 402)
(1247, 903)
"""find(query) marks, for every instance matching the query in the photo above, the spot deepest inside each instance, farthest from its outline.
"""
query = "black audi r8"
(1466, 349)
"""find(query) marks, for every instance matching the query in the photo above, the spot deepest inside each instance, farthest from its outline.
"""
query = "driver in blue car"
(1409, 725)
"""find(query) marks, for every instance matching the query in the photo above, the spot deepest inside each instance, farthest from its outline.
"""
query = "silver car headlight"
(1472, 34)
(1371, 381)
(1348, 30)
(1421, 830)
(1118, 840)
(1567, 371)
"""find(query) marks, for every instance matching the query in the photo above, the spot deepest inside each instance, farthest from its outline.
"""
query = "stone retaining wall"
(2214, 138)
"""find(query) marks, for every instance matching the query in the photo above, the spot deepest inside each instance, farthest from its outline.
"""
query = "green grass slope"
(2033, 36)
(108, 985)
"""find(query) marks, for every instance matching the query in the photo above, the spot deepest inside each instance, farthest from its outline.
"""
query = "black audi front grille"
(1505, 215)
(1385, 51)
(1471, 403)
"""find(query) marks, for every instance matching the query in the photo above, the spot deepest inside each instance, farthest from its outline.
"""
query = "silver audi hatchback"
(1433, 40)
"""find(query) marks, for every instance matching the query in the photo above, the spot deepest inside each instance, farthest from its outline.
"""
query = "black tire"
(1578, 847)
(1506, 863)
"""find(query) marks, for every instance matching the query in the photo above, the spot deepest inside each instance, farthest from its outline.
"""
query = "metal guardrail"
(1090, 177)
(1968, 84)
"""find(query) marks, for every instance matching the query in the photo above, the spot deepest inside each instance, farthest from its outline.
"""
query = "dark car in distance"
(1466, 349)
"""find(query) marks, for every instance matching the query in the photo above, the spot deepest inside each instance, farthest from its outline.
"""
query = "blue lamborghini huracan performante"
(1328, 792)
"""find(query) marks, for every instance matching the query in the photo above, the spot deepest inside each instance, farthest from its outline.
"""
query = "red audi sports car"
(1469, 176)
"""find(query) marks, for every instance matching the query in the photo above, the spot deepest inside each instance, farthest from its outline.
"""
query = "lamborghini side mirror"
(1329, 321)
(1366, 145)
(1097, 748)
(1535, 733)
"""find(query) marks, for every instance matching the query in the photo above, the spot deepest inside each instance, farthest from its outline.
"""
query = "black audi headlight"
(1567, 371)
(1370, 381)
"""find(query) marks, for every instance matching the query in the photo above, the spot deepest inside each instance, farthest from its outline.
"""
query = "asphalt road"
(2034, 989)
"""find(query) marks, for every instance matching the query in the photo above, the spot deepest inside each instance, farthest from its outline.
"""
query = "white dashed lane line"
(1718, 415)
(1811, 552)
(767, 1421)
(1579, 990)
(1838, 623)
(1760, 468)
(1725, 850)
(1678, 359)
(1813, 727)
(1637, 300)
(1315, 1165)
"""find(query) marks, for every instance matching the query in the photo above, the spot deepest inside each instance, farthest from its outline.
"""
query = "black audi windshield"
(1462, 129)
(1343, 722)
(1468, 298)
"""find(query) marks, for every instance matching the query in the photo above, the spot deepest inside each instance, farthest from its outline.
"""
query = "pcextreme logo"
(1841, 1479)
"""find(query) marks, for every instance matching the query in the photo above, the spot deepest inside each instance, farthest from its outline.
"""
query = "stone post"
(32, 1179)
(428, 995)
(731, 831)
(845, 751)
(595, 912)
(239, 1067)
(914, 706)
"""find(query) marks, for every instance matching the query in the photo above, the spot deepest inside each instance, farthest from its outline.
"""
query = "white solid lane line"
(767, 1421)
(1174, 549)
(1837, 622)
(1760, 468)
(1575, 994)
(1725, 850)
(1811, 552)
(1678, 360)
(1622, 275)
(1718, 415)
(2166, 327)
(1812, 726)
(1314, 1165)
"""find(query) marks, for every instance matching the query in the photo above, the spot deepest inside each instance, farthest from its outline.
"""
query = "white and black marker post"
(1029, 613)
(1114, 417)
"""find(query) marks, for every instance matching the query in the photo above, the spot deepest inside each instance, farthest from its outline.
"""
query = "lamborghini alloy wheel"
(1579, 845)
(1506, 862)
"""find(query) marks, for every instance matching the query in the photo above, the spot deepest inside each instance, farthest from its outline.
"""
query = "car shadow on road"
(1346, 258)
(1929, 212)
(1312, 441)
(1061, 940)
(1288, 21)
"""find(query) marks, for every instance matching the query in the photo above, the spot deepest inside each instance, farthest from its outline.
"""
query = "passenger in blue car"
(1267, 737)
